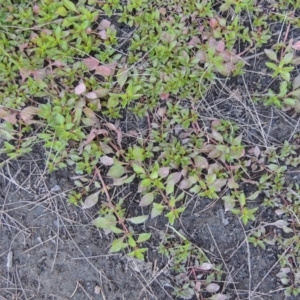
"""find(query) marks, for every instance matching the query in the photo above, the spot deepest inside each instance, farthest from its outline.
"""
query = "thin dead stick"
(38, 245)
(75, 290)
(84, 290)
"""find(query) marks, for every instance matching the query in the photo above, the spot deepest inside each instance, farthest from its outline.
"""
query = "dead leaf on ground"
(28, 113)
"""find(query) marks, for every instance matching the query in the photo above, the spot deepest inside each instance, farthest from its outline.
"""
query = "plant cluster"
(66, 84)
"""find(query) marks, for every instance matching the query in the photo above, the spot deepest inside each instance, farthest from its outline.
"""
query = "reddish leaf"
(104, 24)
(213, 23)
(23, 46)
(220, 47)
(102, 34)
(94, 132)
(164, 96)
(201, 162)
(163, 172)
(39, 74)
(25, 73)
(174, 178)
(104, 71)
(147, 199)
(185, 184)
(106, 160)
(80, 88)
(28, 113)
(91, 63)
(8, 116)
(91, 200)
(296, 46)
(91, 95)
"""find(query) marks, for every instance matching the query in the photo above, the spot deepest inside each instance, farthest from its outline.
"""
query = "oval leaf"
(212, 288)
(91, 200)
(138, 220)
(143, 237)
(106, 160)
(80, 88)
(116, 171)
(147, 199)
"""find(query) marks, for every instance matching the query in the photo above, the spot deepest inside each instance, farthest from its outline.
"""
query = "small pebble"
(97, 289)
(56, 188)
(9, 260)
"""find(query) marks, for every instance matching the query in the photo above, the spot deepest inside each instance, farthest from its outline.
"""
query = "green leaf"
(106, 222)
(242, 199)
(157, 209)
(137, 153)
(138, 169)
(170, 188)
(289, 101)
(118, 245)
(131, 241)
(271, 54)
(210, 179)
(271, 65)
(116, 171)
(61, 11)
(254, 196)
(171, 217)
(287, 59)
(138, 220)
(70, 5)
(129, 179)
(286, 76)
(143, 237)
(283, 89)
(112, 102)
(147, 199)
(122, 76)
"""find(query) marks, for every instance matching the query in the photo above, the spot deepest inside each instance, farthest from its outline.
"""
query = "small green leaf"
(106, 222)
(70, 5)
(287, 59)
(129, 179)
(138, 169)
(157, 209)
(289, 101)
(112, 102)
(118, 245)
(242, 199)
(210, 179)
(283, 89)
(61, 11)
(254, 196)
(271, 65)
(116, 171)
(131, 241)
(286, 76)
(138, 220)
(122, 76)
(171, 217)
(143, 237)
(271, 54)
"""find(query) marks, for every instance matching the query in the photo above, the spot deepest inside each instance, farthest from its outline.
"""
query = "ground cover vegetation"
(119, 90)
